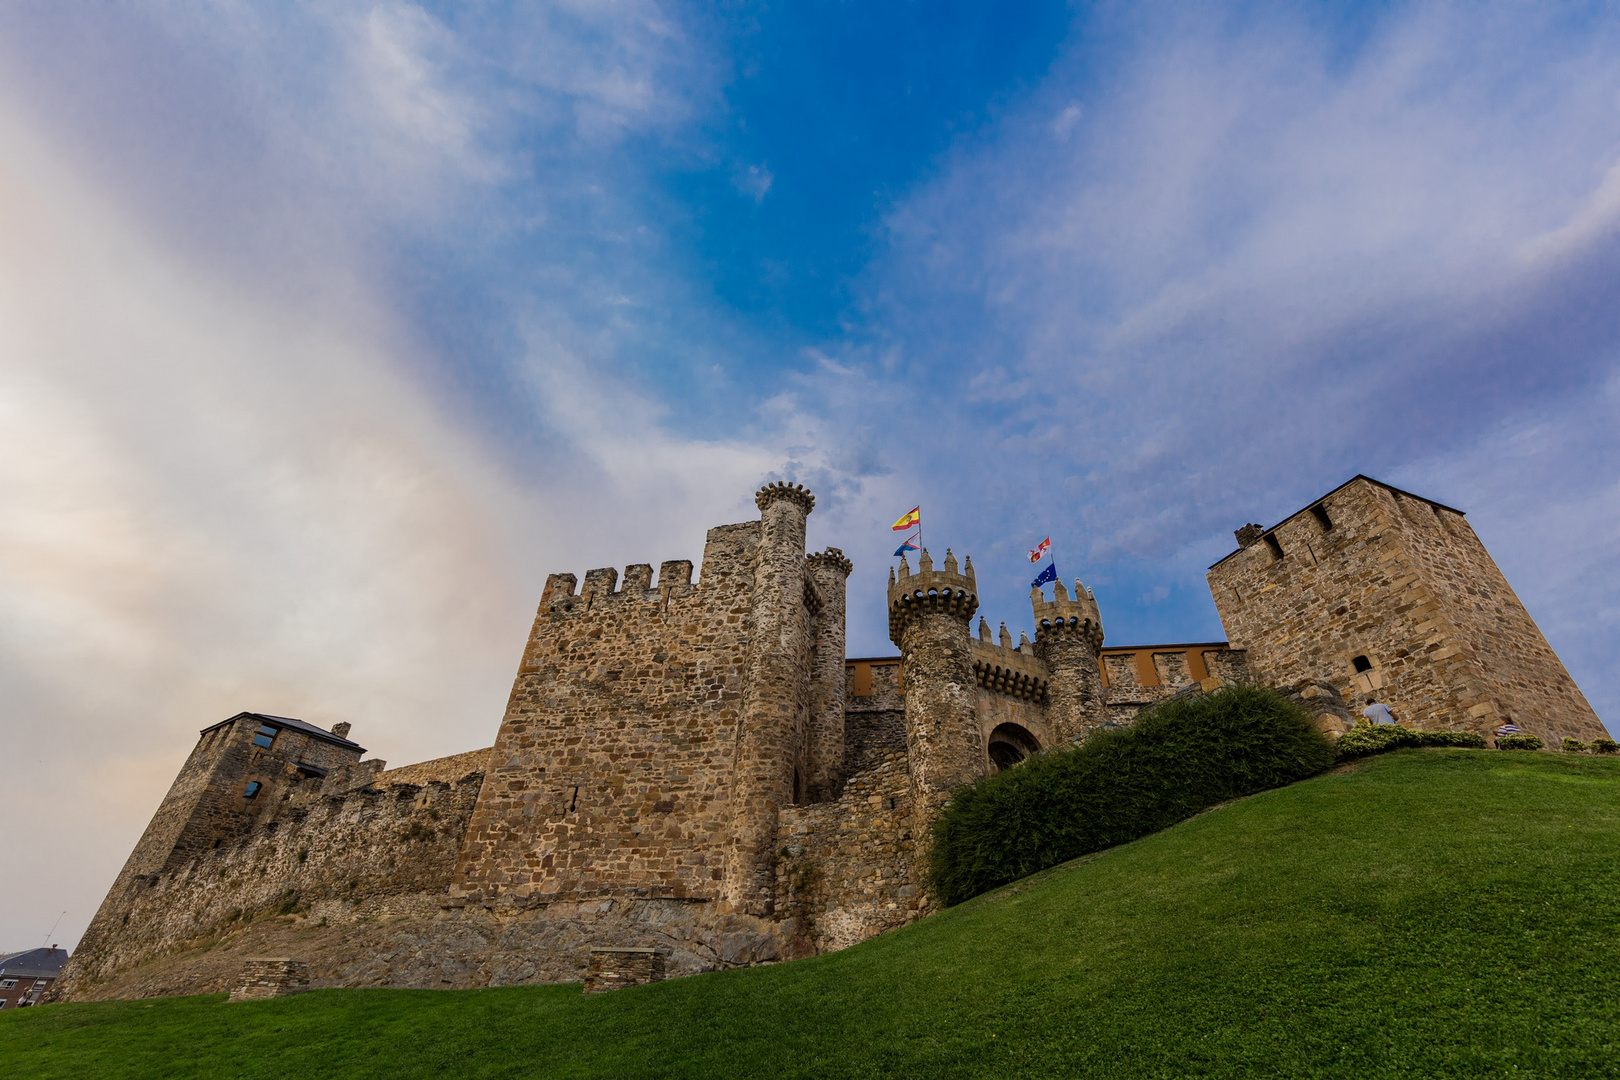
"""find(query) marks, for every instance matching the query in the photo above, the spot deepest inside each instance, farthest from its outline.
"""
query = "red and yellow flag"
(912, 519)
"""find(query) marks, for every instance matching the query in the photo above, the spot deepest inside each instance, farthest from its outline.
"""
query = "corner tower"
(1379, 592)
(929, 613)
(829, 570)
(774, 728)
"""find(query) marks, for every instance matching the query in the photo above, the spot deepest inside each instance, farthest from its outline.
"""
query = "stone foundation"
(615, 969)
(271, 977)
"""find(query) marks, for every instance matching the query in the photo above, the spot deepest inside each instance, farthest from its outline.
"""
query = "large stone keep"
(692, 775)
(1382, 593)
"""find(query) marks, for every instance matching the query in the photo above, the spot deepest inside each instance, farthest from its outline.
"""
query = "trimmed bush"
(1604, 746)
(1180, 757)
(1573, 746)
(1364, 739)
(1518, 742)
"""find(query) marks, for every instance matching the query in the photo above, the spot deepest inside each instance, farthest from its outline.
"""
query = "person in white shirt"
(1378, 712)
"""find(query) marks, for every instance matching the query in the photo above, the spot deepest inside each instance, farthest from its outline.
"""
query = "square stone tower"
(1379, 592)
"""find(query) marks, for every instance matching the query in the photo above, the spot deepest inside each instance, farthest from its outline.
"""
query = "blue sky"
(327, 331)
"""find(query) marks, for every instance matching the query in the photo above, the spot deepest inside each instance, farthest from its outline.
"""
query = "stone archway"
(1009, 744)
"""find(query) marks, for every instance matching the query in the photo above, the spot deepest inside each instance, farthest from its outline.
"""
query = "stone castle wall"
(373, 852)
(1372, 572)
(699, 770)
(611, 773)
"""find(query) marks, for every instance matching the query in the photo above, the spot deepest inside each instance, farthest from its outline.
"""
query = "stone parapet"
(1004, 669)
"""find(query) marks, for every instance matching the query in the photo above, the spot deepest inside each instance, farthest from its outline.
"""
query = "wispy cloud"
(1217, 263)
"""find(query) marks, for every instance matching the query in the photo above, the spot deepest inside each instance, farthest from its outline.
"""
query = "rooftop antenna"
(52, 930)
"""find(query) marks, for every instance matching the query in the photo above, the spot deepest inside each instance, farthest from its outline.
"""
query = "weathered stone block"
(617, 968)
(271, 977)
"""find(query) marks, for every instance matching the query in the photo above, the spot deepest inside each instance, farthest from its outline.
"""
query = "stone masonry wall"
(1406, 585)
(1522, 675)
(611, 774)
(375, 851)
(845, 871)
(1140, 677)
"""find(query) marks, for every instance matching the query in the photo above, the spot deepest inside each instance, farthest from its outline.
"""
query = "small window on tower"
(266, 735)
(1276, 548)
(1361, 663)
(1319, 512)
(252, 790)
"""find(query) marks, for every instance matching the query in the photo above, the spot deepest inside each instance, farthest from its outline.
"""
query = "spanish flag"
(911, 520)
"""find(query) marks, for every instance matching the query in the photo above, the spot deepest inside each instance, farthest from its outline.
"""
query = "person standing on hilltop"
(1378, 712)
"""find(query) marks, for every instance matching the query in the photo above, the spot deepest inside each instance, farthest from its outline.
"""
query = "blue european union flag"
(1049, 574)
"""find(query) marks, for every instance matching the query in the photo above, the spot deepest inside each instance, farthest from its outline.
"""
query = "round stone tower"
(830, 571)
(929, 612)
(776, 702)
(1068, 639)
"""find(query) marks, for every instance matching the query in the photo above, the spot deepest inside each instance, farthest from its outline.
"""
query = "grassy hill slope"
(1430, 913)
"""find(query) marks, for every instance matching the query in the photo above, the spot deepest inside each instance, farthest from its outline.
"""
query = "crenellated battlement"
(602, 586)
(779, 490)
(948, 590)
(831, 559)
(1062, 614)
(1007, 669)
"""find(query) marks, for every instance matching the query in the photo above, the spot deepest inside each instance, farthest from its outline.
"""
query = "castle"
(698, 768)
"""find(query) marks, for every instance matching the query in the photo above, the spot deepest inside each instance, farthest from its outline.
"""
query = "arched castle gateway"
(697, 767)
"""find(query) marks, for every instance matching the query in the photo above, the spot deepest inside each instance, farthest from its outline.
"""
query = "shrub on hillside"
(1364, 739)
(1604, 746)
(1183, 756)
(1573, 746)
(1518, 742)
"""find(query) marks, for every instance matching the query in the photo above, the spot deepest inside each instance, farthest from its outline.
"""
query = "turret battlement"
(602, 586)
(948, 590)
(831, 559)
(781, 489)
(1062, 614)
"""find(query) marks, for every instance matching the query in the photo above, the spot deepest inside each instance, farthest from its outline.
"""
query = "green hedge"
(1604, 745)
(1178, 758)
(1364, 739)
(1518, 742)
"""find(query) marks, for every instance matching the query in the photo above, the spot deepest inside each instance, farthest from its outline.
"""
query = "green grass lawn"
(1432, 913)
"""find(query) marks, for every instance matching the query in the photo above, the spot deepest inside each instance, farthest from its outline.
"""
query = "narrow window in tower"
(1319, 511)
(1361, 663)
(266, 735)
(1276, 548)
(252, 790)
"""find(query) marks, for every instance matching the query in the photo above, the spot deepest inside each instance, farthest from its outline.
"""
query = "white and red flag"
(1041, 550)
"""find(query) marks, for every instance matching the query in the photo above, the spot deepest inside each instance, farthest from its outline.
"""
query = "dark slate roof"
(34, 964)
(1341, 487)
(295, 725)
